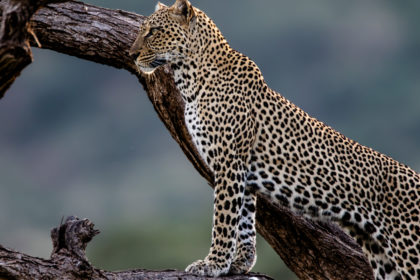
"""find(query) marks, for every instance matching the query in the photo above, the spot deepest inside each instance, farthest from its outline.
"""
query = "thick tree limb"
(68, 260)
(311, 250)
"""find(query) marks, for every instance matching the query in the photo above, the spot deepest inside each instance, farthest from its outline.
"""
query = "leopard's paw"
(207, 268)
(244, 261)
(241, 266)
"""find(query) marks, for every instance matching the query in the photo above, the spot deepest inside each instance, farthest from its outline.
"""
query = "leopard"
(256, 142)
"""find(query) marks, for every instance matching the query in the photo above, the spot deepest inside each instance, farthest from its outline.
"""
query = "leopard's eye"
(152, 31)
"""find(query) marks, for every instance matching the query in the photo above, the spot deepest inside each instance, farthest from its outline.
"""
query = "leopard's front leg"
(228, 200)
(246, 253)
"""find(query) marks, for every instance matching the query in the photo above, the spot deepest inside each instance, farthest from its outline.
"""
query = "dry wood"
(15, 52)
(68, 260)
(312, 250)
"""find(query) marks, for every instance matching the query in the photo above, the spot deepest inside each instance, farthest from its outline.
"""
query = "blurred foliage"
(78, 138)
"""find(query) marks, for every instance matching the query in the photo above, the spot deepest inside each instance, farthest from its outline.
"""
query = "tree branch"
(15, 52)
(312, 250)
(68, 260)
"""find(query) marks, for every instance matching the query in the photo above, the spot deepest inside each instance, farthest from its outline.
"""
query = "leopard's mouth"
(149, 68)
(158, 62)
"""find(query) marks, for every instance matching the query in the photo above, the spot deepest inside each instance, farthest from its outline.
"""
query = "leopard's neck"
(203, 65)
(202, 71)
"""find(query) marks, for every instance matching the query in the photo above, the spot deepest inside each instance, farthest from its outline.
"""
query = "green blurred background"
(79, 138)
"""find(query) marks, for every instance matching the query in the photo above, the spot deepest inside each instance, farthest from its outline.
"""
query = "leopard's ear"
(160, 6)
(183, 11)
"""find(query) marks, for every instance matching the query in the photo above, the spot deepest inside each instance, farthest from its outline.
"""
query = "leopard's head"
(165, 36)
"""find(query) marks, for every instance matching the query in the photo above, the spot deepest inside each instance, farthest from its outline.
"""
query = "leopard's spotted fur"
(254, 140)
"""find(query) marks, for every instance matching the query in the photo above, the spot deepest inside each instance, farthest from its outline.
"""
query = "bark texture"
(312, 250)
(68, 260)
(15, 52)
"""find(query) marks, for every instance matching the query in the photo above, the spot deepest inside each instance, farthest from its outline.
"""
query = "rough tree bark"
(68, 260)
(312, 250)
(15, 52)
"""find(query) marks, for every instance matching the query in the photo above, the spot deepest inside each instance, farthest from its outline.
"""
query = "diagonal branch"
(311, 250)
